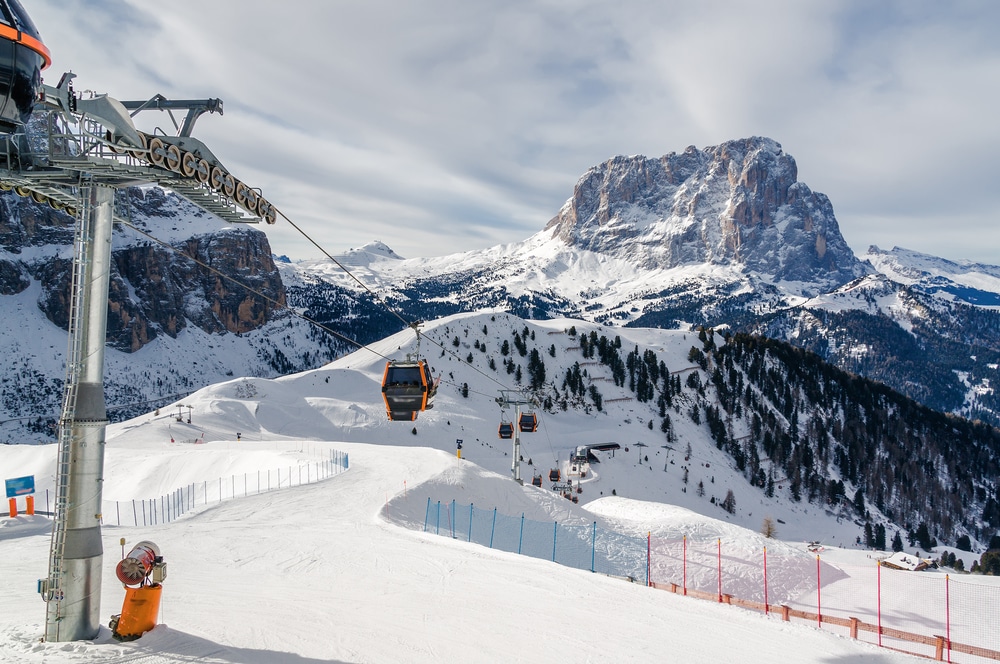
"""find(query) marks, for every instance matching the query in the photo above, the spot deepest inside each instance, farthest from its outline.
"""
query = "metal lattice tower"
(74, 155)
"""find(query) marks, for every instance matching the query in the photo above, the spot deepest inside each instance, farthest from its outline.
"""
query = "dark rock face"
(153, 290)
(25, 223)
(13, 277)
(174, 291)
(736, 203)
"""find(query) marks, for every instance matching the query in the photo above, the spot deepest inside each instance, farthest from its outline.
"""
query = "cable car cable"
(252, 290)
(388, 306)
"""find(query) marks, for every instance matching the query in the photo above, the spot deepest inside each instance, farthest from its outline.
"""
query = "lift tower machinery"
(73, 152)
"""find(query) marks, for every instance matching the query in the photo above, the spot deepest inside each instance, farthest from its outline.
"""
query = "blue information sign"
(20, 486)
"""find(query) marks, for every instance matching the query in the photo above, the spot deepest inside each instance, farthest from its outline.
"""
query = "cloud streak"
(447, 126)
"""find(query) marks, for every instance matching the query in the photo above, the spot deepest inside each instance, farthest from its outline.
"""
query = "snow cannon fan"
(142, 571)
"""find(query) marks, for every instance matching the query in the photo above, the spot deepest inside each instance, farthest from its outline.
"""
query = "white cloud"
(444, 126)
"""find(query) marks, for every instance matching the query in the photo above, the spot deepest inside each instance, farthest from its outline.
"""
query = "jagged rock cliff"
(738, 203)
(154, 290)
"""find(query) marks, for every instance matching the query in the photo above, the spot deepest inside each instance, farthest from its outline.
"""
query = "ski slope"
(318, 573)
(340, 570)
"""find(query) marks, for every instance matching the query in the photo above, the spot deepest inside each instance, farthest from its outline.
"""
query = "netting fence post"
(878, 585)
(427, 514)
(555, 529)
(118, 512)
(593, 546)
(819, 606)
(451, 517)
(685, 565)
(947, 612)
(649, 541)
(135, 516)
(720, 567)
(766, 606)
(437, 526)
(493, 529)
(470, 522)
(520, 535)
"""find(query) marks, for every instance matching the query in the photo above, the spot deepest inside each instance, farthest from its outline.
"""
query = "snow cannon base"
(140, 610)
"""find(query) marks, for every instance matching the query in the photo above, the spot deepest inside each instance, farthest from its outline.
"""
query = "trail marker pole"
(819, 608)
(720, 568)
(520, 536)
(766, 606)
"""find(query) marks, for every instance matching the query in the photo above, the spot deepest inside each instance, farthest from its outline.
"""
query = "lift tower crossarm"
(194, 107)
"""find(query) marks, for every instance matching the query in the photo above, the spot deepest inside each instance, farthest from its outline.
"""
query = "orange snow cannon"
(145, 569)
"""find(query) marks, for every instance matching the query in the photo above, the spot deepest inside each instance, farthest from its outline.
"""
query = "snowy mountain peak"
(964, 281)
(737, 203)
(377, 248)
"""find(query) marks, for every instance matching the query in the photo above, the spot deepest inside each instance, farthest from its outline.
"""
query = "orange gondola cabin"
(528, 423)
(408, 388)
(505, 430)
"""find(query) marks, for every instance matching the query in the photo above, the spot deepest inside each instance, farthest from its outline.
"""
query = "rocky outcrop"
(736, 203)
(154, 290)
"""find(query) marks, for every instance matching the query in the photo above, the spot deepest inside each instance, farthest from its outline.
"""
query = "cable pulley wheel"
(252, 199)
(228, 184)
(109, 137)
(241, 194)
(172, 159)
(157, 152)
(264, 209)
(203, 171)
(217, 179)
(189, 165)
(141, 151)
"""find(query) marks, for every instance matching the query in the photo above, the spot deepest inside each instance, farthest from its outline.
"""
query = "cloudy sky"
(450, 125)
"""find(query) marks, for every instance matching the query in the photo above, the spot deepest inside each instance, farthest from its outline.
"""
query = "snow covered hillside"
(318, 573)
(340, 570)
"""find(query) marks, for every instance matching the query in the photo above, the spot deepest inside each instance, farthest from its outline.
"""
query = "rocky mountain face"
(209, 297)
(723, 237)
(738, 203)
(154, 290)
(726, 237)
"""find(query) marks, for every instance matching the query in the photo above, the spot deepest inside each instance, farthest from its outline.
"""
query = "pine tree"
(897, 543)
(729, 502)
(989, 563)
(768, 529)
(923, 537)
(859, 502)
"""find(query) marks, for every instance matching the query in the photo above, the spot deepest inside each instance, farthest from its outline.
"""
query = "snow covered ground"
(340, 571)
(317, 573)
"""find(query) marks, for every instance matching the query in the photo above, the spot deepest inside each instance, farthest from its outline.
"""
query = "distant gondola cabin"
(407, 388)
(528, 423)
